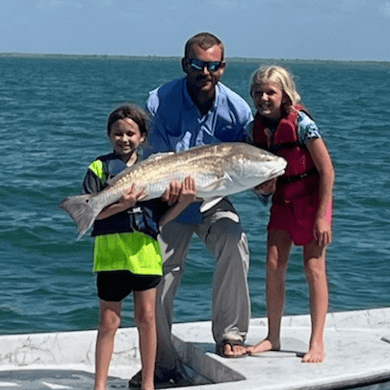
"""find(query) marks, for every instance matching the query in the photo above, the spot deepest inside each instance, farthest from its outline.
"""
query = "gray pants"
(222, 234)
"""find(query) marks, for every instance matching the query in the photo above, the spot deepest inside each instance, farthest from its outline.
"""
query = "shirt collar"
(189, 100)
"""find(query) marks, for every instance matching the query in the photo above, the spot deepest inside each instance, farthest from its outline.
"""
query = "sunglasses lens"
(196, 65)
(212, 66)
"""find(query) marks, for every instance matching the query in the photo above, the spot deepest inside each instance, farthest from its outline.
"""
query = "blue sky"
(304, 29)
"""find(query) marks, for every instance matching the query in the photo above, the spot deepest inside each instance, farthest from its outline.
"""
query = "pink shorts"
(297, 217)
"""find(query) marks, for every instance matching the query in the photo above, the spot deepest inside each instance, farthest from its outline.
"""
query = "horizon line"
(161, 57)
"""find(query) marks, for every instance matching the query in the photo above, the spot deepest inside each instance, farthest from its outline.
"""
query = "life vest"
(143, 217)
(301, 176)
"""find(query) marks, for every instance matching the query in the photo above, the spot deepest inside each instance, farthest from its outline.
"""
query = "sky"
(277, 29)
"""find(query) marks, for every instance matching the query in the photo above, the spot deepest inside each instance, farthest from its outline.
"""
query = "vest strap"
(291, 179)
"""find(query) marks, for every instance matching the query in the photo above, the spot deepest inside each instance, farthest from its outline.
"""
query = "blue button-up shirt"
(178, 125)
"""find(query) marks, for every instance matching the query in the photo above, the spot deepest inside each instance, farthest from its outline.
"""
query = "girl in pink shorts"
(301, 201)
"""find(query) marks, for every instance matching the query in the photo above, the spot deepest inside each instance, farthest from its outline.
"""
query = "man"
(192, 111)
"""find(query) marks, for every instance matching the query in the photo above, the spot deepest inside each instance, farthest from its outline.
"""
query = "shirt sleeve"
(236, 113)
(91, 183)
(241, 135)
(157, 140)
(307, 129)
(248, 134)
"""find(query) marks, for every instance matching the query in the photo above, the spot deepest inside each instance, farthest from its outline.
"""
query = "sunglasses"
(199, 65)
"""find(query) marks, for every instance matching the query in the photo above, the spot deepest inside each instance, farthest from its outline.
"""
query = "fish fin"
(209, 203)
(159, 155)
(80, 210)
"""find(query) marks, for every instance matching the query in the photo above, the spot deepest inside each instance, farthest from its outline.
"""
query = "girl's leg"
(108, 324)
(145, 318)
(315, 269)
(278, 250)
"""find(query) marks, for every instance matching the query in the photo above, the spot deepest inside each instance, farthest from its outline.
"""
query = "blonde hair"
(282, 77)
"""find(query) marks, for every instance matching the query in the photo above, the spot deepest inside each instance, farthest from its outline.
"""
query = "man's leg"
(175, 239)
(223, 235)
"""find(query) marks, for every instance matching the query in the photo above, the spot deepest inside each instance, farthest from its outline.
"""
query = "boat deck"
(357, 347)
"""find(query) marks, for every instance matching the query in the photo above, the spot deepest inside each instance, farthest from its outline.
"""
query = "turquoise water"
(52, 122)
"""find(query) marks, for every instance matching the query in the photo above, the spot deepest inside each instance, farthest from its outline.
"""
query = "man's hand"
(188, 191)
(171, 195)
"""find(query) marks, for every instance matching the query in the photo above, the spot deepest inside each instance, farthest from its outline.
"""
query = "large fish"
(219, 170)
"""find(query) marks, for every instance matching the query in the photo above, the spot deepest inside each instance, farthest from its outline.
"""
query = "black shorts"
(114, 286)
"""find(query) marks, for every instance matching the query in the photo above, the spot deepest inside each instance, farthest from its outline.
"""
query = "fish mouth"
(280, 172)
(275, 174)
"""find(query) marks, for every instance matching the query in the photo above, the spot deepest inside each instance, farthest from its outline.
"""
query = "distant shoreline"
(169, 58)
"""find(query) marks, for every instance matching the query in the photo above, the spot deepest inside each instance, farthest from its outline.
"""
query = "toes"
(235, 350)
(314, 357)
(239, 350)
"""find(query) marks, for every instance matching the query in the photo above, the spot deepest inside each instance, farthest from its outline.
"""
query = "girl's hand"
(131, 196)
(128, 199)
(322, 232)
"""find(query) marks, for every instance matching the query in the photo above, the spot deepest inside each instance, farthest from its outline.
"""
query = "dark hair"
(128, 110)
(204, 40)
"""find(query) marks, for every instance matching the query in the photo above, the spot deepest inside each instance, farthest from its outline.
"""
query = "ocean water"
(53, 113)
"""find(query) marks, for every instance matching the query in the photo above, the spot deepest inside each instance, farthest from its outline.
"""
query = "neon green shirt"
(134, 251)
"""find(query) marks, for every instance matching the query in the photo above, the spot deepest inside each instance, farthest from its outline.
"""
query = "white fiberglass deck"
(357, 347)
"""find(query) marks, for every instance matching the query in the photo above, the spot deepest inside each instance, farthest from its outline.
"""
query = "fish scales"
(219, 170)
(157, 173)
(154, 176)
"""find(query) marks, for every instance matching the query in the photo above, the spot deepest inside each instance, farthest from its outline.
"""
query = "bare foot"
(316, 354)
(264, 346)
(234, 350)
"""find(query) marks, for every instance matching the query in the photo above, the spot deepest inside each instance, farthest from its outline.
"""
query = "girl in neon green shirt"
(127, 255)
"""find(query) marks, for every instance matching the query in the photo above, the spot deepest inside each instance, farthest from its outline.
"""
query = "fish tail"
(81, 211)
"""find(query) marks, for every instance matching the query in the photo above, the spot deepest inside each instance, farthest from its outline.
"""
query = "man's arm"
(157, 139)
